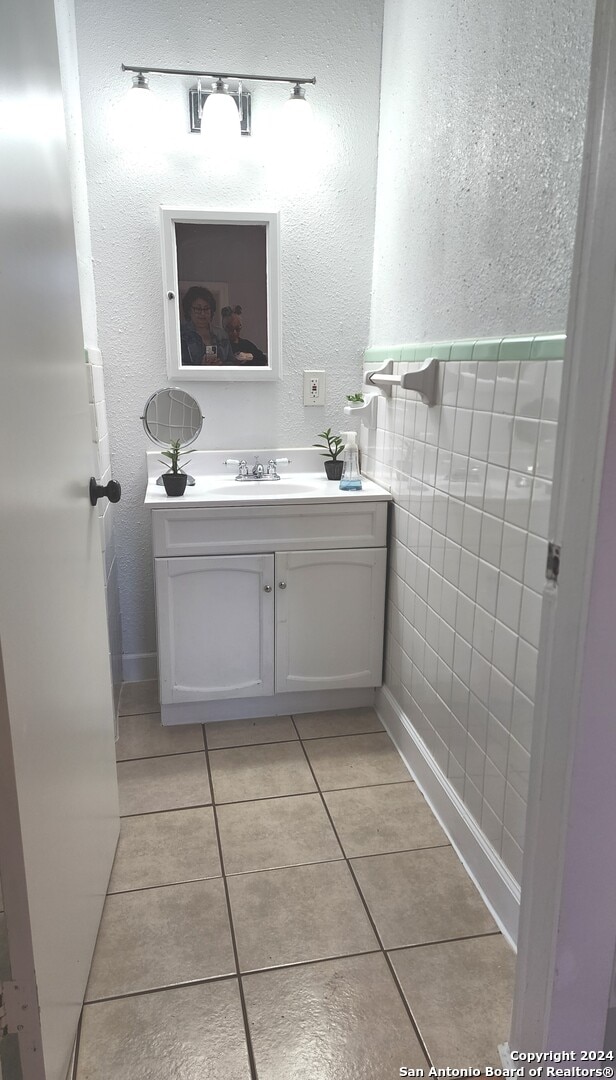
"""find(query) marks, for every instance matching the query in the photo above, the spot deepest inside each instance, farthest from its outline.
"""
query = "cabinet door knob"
(267, 588)
(282, 584)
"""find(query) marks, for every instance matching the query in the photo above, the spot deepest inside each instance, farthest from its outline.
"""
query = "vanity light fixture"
(215, 106)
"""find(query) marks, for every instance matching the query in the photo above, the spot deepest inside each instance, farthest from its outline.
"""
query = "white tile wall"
(471, 480)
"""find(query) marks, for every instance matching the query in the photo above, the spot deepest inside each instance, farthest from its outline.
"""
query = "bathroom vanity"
(270, 594)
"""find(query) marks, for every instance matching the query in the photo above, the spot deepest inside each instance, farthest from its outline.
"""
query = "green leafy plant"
(355, 398)
(332, 444)
(173, 454)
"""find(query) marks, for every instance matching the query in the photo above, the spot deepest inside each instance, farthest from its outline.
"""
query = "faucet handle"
(241, 464)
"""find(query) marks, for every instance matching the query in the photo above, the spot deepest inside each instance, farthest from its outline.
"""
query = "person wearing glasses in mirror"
(202, 344)
(245, 352)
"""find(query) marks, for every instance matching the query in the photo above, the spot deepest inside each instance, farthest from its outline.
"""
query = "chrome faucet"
(258, 472)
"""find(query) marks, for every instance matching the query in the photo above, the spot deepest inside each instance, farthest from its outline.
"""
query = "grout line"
(285, 967)
(406, 1005)
(168, 810)
(250, 745)
(146, 712)
(294, 794)
(161, 989)
(300, 738)
(73, 1075)
(155, 757)
(445, 941)
(248, 1037)
(164, 885)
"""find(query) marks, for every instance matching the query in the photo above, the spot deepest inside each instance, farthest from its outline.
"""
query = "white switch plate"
(314, 388)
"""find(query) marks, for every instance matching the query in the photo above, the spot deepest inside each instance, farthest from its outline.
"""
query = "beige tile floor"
(284, 905)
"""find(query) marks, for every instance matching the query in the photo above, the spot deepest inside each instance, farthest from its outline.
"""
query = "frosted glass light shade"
(220, 120)
(296, 122)
(141, 114)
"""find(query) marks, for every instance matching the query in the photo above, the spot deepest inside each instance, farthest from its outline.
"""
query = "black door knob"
(112, 491)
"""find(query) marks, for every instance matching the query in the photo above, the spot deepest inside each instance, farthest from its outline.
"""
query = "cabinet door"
(329, 619)
(215, 627)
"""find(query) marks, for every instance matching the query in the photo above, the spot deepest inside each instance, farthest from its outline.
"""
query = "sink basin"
(250, 489)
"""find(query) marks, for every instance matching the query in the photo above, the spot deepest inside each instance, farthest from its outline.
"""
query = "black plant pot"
(333, 469)
(175, 483)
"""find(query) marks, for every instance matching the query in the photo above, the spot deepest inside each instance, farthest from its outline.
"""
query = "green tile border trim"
(531, 347)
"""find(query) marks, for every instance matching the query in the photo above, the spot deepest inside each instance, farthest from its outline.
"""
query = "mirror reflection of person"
(201, 342)
(245, 352)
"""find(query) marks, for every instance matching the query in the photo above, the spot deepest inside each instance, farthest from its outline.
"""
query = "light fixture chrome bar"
(143, 69)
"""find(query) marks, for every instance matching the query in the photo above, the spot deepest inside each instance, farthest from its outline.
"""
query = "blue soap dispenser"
(351, 478)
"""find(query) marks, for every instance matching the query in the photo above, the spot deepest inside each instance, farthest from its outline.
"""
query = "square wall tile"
(501, 698)
(477, 723)
(524, 445)
(506, 387)
(522, 719)
(518, 768)
(526, 669)
(515, 815)
(546, 449)
(552, 390)
(501, 435)
(509, 601)
(480, 434)
(480, 677)
(530, 389)
(466, 383)
(449, 392)
(512, 856)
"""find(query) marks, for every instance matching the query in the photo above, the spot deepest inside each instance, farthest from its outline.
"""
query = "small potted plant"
(355, 399)
(175, 479)
(332, 446)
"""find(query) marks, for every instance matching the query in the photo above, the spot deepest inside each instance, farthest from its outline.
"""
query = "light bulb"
(141, 114)
(297, 120)
(220, 119)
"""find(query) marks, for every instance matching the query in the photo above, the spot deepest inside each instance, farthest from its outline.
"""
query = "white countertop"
(303, 481)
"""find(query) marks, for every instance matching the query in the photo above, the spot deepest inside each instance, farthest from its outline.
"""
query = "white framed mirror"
(221, 294)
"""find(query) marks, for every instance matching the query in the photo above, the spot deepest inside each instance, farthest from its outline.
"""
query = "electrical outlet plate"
(314, 388)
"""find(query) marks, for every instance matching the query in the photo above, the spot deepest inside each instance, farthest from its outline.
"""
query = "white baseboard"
(498, 888)
(200, 712)
(139, 667)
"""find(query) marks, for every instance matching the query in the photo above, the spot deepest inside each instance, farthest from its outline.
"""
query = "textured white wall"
(482, 121)
(327, 217)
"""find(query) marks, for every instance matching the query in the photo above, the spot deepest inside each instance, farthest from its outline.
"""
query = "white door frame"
(567, 935)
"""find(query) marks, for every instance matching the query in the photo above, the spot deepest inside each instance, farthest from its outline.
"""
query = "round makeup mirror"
(172, 414)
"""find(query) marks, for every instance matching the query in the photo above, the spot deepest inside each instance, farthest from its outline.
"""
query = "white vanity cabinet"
(268, 609)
